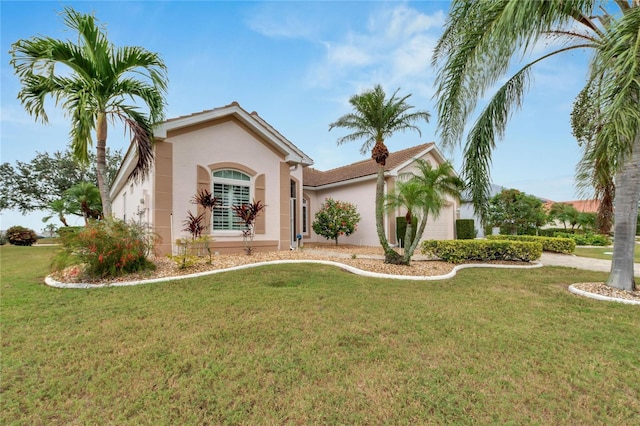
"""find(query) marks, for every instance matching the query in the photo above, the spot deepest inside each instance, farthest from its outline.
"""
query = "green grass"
(309, 344)
(602, 252)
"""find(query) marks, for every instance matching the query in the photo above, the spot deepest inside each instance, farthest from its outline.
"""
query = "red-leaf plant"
(247, 213)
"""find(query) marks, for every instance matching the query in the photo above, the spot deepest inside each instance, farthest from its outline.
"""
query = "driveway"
(571, 261)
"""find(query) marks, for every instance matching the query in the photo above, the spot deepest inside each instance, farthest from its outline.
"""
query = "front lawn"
(310, 344)
(603, 252)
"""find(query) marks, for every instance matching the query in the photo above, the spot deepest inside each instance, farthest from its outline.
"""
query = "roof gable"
(395, 161)
(253, 121)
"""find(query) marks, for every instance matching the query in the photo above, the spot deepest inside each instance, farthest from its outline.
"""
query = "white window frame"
(232, 182)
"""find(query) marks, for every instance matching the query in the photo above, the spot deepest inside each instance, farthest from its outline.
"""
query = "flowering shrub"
(21, 236)
(336, 218)
(107, 248)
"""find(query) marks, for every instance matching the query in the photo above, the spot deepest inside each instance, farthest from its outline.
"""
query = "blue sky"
(297, 64)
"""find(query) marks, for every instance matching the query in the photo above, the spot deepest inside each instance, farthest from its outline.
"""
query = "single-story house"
(239, 157)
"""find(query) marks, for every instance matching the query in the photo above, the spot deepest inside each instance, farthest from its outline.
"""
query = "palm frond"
(471, 57)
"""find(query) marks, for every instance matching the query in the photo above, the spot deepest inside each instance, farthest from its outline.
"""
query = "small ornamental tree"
(248, 213)
(336, 218)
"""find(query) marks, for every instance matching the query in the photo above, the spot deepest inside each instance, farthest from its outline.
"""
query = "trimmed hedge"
(552, 232)
(587, 239)
(465, 229)
(458, 251)
(553, 244)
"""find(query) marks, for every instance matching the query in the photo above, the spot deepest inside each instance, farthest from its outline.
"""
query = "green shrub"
(21, 236)
(106, 248)
(553, 232)
(458, 251)
(401, 229)
(587, 239)
(3, 238)
(465, 229)
(65, 231)
(552, 244)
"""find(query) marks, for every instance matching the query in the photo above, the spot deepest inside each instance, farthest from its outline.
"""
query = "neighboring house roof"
(316, 178)
(583, 206)
(292, 153)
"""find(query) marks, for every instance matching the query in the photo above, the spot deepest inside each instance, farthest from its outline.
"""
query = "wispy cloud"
(281, 22)
(395, 48)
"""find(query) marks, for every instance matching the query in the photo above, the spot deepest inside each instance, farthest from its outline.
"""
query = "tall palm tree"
(474, 53)
(374, 118)
(93, 80)
(422, 195)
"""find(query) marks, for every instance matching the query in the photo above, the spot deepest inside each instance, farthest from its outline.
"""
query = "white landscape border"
(57, 284)
(53, 283)
(579, 292)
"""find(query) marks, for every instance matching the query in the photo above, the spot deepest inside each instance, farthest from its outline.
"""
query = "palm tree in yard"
(375, 118)
(84, 200)
(474, 53)
(423, 195)
(93, 81)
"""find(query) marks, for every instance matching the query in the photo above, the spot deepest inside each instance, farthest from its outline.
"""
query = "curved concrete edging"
(579, 292)
(53, 283)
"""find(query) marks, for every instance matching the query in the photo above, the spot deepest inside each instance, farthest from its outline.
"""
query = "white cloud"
(394, 49)
(280, 22)
(347, 54)
(403, 22)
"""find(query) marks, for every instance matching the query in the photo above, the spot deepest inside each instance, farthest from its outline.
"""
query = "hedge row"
(587, 239)
(556, 245)
(458, 251)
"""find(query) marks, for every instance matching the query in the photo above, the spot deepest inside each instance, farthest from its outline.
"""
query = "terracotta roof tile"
(584, 206)
(313, 177)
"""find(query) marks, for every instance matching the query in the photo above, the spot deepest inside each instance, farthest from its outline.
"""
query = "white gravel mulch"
(361, 257)
(365, 258)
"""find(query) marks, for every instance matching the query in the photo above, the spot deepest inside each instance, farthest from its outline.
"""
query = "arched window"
(233, 188)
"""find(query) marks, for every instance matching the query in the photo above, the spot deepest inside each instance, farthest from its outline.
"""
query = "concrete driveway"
(571, 261)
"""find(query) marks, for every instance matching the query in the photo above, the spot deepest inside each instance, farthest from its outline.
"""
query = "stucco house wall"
(189, 150)
(362, 195)
(356, 183)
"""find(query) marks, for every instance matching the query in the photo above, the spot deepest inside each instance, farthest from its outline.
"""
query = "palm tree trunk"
(625, 220)
(408, 251)
(390, 255)
(101, 164)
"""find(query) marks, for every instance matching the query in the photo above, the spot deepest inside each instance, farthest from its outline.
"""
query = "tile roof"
(253, 120)
(583, 206)
(314, 178)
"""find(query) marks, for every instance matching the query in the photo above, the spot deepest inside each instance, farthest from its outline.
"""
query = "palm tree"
(60, 209)
(374, 118)
(423, 194)
(92, 80)
(474, 53)
(83, 199)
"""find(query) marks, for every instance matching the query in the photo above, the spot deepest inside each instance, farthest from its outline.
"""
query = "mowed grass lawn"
(309, 344)
(603, 253)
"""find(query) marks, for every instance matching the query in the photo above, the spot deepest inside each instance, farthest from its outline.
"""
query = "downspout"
(171, 222)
